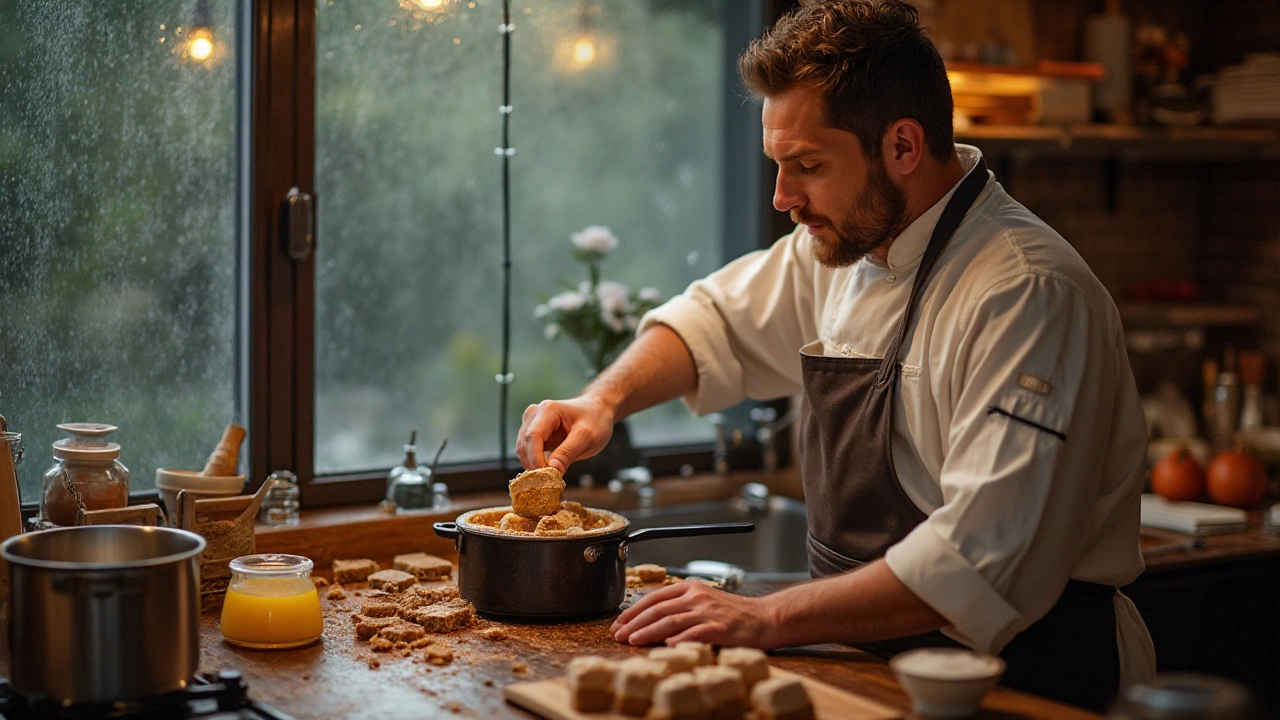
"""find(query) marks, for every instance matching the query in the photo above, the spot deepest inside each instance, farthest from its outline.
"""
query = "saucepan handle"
(446, 530)
(659, 533)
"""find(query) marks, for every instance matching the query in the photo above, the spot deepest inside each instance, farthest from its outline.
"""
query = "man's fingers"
(664, 628)
(654, 612)
(574, 445)
(537, 429)
(645, 601)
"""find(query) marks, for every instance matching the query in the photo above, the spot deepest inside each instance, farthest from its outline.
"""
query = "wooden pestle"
(223, 460)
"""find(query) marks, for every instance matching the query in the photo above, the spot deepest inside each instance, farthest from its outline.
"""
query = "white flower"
(614, 322)
(633, 322)
(595, 239)
(613, 296)
(568, 301)
(551, 331)
(541, 311)
(650, 294)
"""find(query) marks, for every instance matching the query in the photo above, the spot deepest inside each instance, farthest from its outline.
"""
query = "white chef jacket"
(1017, 427)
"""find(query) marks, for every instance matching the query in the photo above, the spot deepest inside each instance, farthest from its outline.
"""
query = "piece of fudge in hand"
(536, 492)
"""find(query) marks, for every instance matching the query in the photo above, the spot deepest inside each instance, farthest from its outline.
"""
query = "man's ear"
(903, 146)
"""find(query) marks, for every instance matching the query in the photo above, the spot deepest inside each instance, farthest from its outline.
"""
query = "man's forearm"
(657, 367)
(864, 605)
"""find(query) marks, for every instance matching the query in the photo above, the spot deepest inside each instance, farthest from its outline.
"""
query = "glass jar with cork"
(87, 475)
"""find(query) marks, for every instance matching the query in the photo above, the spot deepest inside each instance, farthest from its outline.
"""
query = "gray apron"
(858, 509)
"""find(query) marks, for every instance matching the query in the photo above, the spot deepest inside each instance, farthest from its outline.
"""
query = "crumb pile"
(397, 613)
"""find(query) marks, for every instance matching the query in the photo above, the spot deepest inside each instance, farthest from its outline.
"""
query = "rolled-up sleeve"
(745, 323)
(1032, 387)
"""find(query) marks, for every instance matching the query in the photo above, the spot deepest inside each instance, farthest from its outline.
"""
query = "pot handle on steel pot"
(659, 533)
(449, 530)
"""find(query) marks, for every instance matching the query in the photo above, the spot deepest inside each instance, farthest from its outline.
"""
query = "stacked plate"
(1248, 92)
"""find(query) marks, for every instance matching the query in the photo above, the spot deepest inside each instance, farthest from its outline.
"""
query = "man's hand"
(694, 611)
(568, 429)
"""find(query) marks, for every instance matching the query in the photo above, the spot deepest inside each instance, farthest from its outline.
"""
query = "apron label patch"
(1037, 385)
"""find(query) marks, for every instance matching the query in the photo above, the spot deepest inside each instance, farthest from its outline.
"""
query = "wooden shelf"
(1126, 142)
(1185, 315)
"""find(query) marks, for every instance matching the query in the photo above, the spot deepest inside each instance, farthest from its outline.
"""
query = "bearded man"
(971, 437)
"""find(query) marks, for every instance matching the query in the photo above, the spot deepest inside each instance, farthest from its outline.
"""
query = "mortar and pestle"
(217, 479)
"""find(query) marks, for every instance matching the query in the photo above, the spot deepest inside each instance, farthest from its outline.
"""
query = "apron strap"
(969, 190)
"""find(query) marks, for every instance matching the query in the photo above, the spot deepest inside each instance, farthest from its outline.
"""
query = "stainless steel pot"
(105, 613)
(527, 576)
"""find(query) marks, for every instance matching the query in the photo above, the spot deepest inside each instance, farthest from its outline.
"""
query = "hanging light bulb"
(429, 4)
(584, 51)
(586, 47)
(200, 39)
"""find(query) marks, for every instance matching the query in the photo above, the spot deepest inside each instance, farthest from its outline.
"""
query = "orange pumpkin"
(1178, 476)
(1236, 478)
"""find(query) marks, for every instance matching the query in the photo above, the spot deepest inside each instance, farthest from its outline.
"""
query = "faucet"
(768, 426)
(641, 478)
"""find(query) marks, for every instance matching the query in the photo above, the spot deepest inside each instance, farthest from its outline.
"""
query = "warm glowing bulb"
(430, 4)
(584, 51)
(201, 44)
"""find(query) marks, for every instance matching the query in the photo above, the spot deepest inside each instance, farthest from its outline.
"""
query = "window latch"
(299, 225)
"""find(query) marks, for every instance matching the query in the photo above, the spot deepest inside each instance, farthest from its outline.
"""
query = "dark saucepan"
(529, 576)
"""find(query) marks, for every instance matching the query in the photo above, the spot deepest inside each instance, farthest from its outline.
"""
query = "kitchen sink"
(773, 553)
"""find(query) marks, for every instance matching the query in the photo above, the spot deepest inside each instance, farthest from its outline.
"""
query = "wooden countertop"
(334, 678)
(340, 677)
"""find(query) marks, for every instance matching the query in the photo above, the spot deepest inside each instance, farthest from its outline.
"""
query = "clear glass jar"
(282, 503)
(87, 475)
(271, 603)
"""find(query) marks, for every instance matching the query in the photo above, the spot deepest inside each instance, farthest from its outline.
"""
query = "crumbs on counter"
(494, 633)
(319, 581)
(438, 654)
(519, 666)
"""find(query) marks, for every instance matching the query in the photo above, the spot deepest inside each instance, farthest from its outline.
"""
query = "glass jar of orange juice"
(271, 602)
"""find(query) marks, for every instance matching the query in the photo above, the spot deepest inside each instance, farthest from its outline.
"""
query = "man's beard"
(878, 213)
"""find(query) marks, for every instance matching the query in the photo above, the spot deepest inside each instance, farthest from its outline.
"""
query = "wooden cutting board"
(550, 699)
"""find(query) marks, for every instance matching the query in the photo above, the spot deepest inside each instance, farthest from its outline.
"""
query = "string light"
(201, 44)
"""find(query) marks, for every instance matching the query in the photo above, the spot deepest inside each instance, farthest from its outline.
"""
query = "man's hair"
(870, 62)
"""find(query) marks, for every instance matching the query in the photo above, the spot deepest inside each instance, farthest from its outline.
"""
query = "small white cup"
(170, 482)
(946, 682)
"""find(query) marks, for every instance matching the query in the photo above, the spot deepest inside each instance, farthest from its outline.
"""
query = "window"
(146, 282)
(617, 120)
(118, 242)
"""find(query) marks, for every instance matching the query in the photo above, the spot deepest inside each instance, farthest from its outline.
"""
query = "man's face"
(849, 204)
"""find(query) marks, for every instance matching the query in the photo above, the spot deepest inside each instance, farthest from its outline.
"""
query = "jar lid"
(87, 442)
(70, 449)
(88, 430)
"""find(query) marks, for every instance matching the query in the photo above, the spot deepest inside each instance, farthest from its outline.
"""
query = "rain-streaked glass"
(117, 227)
(617, 120)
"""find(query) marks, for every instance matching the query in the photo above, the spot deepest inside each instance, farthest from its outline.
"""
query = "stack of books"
(1191, 518)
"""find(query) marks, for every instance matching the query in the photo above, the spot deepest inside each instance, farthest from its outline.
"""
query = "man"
(972, 442)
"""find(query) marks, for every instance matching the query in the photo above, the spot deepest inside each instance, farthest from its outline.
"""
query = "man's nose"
(786, 196)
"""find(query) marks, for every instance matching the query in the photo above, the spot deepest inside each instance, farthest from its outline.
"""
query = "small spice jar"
(271, 602)
(87, 475)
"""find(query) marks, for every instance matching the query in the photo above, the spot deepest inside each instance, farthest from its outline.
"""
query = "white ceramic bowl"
(946, 682)
(170, 482)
